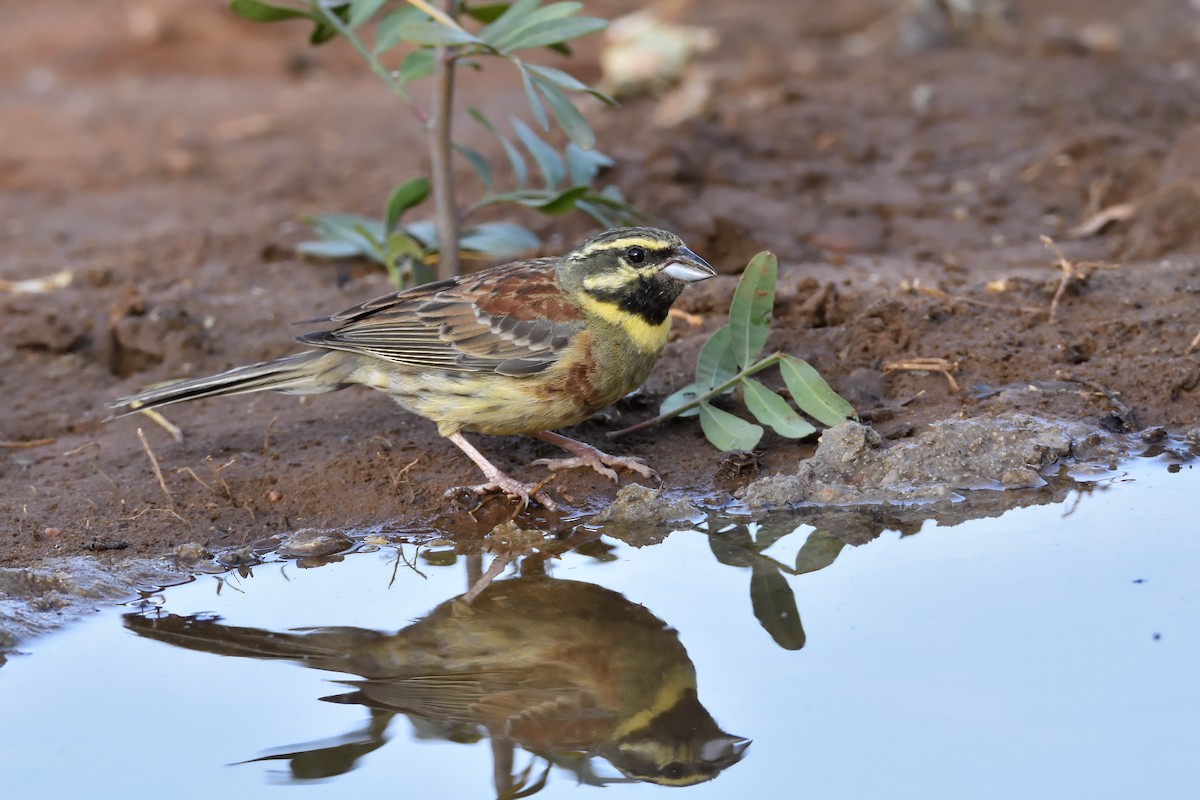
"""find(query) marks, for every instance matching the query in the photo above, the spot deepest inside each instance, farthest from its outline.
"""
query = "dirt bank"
(164, 160)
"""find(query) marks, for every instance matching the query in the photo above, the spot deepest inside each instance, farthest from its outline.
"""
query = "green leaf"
(329, 249)
(567, 115)
(353, 231)
(563, 202)
(387, 32)
(771, 409)
(535, 104)
(500, 239)
(402, 198)
(685, 395)
(507, 22)
(486, 14)
(362, 10)
(259, 11)
(775, 606)
(819, 551)
(551, 31)
(811, 393)
(403, 245)
(416, 65)
(433, 34)
(716, 363)
(584, 165)
(324, 31)
(503, 37)
(568, 82)
(478, 162)
(424, 231)
(548, 161)
(515, 159)
(750, 311)
(733, 548)
(727, 432)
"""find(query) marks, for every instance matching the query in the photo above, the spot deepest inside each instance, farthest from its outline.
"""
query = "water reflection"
(555, 667)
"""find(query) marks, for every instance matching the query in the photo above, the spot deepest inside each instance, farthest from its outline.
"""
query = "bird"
(548, 664)
(521, 348)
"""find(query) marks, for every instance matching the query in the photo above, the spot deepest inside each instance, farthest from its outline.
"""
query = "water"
(1051, 652)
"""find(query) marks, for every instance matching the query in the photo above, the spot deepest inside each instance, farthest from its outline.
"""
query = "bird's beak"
(688, 267)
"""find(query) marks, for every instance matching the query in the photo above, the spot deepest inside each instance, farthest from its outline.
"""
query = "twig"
(196, 478)
(394, 477)
(267, 436)
(493, 571)
(942, 295)
(1070, 272)
(58, 280)
(444, 17)
(158, 419)
(157, 470)
(942, 365)
(25, 445)
(377, 66)
(441, 156)
(81, 448)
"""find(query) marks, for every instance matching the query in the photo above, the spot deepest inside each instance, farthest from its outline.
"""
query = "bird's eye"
(636, 255)
(674, 770)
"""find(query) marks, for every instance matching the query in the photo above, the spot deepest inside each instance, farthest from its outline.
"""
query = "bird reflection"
(552, 666)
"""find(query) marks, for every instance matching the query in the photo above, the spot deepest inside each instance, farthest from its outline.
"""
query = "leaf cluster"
(403, 40)
(730, 358)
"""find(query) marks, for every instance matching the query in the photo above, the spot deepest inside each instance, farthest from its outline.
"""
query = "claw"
(587, 456)
(511, 488)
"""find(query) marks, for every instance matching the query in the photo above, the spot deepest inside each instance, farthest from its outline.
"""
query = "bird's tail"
(313, 372)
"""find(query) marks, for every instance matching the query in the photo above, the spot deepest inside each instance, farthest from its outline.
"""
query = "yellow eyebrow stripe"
(621, 244)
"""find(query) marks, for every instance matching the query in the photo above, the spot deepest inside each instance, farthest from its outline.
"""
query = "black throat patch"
(649, 298)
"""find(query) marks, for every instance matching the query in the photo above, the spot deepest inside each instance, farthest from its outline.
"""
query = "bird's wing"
(546, 712)
(512, 319)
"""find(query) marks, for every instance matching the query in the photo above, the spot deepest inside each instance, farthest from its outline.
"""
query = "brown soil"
(163, 152)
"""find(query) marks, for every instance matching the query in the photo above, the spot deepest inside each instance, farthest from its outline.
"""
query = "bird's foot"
(587, 456)
(512, 488)
(497, 481)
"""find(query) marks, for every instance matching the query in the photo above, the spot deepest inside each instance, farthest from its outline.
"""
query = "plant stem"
(372, 60)
(441, 156)
(769, 361)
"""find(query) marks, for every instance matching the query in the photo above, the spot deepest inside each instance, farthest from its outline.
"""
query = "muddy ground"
(164, 151)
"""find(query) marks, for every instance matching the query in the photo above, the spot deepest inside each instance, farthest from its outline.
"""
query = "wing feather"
(512, 320)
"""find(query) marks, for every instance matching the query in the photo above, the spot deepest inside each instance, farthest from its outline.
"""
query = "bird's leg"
(497, 481)
(588, 456)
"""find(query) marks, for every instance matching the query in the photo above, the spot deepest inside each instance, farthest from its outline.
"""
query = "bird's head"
(631, 276)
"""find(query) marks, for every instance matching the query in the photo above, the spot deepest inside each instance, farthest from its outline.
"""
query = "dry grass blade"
(1070, 272)
(157, 469)
(942, 365)
(1195, 345)
(161, 421)
(28, 444)
(1097, 222)
(941, 295)
(59, 280)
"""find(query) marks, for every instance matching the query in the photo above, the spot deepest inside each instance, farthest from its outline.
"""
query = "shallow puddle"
(1049, 652)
